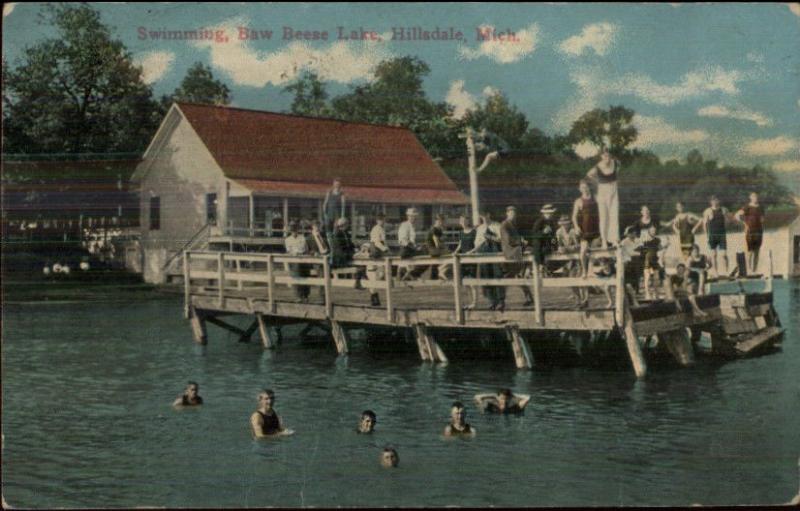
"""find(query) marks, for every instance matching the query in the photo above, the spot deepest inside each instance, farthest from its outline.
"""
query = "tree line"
(81, 95)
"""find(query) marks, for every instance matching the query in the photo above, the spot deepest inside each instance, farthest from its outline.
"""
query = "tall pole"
(473, 177)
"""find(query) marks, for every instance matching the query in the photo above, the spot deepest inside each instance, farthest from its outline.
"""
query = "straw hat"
(564, 220)
(548, 208)
(411, 212)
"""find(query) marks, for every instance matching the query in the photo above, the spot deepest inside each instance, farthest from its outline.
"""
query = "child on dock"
(680, 286)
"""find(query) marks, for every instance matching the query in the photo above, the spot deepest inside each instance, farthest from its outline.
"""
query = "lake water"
(87, 422)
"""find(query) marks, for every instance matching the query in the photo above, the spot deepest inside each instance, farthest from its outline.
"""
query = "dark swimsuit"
(716, 230)
(185, 401)
(686, 235)
(607, 178)
(589, 219)
(271, 424)
(466, 431)
(755, 230)
(493, 408)
(696, 267)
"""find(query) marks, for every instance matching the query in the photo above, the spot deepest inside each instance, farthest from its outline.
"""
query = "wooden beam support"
(339, 337)
(267, 340)
(422, 343)
(457, 288)
(632, 342)
(620, 288)
(326, 273)
(271, 283)
(221, 278)
(522, 354)
(389, 281)
(198, 323)
(537, 294)
(187, 286)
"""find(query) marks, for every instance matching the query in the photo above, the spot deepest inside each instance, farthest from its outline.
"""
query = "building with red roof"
(237, 174)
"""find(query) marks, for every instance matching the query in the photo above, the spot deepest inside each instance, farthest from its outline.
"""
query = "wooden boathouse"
(218, 177)
(220, 284)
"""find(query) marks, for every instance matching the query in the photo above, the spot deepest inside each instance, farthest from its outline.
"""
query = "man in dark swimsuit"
(504, 402)
(752, 216)
(189, 396)
(458, 425)
(265, 422)
(714, 222)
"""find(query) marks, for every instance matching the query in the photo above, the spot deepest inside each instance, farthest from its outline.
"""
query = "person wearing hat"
(297, 245)
(544, 234)
(513, 245)
(343, 249)
(377, 250)
(407, 239)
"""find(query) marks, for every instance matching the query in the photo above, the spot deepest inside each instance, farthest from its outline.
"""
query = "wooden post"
(198, 327)
(271, 283)
(326, 271)
(252, 215)
(537, 293)
(186, 285)
(221, 277)
(522, 355)
(768, 287)
(339, 337)
(422, 342)
(620, 291)
(632, 341)
(266, 340)
(239, 282)
(285, 217)
(388, 272)
(457, 288)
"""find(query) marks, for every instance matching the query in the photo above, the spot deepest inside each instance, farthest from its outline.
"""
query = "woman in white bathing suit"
(605, 174)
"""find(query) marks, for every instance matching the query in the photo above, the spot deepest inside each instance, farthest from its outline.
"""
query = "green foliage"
(310, 96)
(78, 92)
(612, 128)
(503, 119)
(199, 86)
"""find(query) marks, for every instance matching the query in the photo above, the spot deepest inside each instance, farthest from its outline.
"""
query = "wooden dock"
(217, 284)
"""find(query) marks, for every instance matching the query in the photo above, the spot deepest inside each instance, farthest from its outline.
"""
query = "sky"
(722, 78)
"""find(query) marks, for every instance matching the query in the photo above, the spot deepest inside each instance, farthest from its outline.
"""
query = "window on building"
(155, 213)
(211, 208)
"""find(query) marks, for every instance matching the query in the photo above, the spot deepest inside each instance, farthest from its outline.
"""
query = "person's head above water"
(458, 414)
(266, 398)
(367, 422)
(192, 388)
(504, 397)
(389, 457)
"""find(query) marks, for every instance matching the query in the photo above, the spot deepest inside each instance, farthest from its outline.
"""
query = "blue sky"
(723, 78)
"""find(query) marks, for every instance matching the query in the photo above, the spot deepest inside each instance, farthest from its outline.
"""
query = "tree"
(310, 96)
(500, 117)
(199, 86)
(612, 128)
(395, 97)
(694, 158)
(78, 92)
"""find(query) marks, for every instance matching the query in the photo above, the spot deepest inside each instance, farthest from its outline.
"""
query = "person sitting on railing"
(318, 245)
(630, 248)
(513, 245)
(698, 266)
(297, 245)
(487, 241)
(544, 235)
(343, 249)
(568, 241)
(377, 250)
(407, 239)
(436, 246)
(680, 286)
(466, 244)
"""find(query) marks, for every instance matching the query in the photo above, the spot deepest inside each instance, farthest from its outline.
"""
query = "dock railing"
(229, 271)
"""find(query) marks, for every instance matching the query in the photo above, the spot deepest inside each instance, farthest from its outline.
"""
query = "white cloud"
(594, 84)
(8, 8)
(771, 146)
(586, 149)
(655, 131)
(490, 91)
(597, 37)
(460, 99)
(506, 51)
(742, 114)
(342, 61)
(154, 65)
(787, 166)
(795, 8)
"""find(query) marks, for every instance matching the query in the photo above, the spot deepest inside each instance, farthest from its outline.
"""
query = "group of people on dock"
(592, 225)
(265, 422)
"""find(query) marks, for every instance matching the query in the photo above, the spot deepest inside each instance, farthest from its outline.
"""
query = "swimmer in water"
(458, 425)
(389, 458)
(189, 396)
(265, 421)
(367, 423)
(504, 402)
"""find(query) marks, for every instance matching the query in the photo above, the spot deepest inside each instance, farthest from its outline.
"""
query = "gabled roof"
(257, 148)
